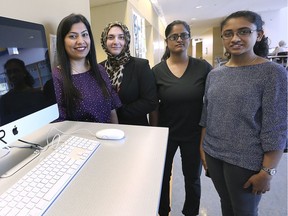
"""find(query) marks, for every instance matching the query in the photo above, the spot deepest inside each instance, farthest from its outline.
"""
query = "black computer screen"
(25, 73)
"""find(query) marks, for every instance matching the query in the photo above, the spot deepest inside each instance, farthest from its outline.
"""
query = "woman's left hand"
(260, 183)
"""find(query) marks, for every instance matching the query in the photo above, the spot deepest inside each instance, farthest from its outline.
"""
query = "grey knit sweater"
(245, 113)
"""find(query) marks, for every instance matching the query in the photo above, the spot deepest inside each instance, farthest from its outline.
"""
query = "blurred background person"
(280, 48)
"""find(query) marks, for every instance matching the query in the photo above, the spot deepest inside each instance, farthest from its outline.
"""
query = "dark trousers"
(191, 167)
(228, 180)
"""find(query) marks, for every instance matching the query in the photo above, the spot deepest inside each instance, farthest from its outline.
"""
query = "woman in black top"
(180, 83)
(130, 76)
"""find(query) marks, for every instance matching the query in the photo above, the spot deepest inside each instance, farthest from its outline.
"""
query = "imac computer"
(27, 98)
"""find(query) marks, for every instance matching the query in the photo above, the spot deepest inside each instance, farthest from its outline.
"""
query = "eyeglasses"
(240, 33)
(183, 36)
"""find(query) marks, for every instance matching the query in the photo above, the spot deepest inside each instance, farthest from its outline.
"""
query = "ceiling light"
(13, 50)
(199, 6)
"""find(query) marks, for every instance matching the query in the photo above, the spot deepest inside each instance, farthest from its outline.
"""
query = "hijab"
(115, 64)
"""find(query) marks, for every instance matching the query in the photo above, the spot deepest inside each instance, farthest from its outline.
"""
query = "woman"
(131, 77)
(181, 82)
(245, 116)
(83, 89)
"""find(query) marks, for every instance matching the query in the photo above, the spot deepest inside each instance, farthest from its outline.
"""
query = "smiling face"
(181, 43)
(239, 36)
(115, 40)
(77, 42)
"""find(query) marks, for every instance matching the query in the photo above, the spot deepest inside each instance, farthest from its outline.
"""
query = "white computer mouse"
(110, 134)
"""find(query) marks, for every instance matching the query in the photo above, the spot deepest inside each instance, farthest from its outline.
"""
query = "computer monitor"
(27, 98)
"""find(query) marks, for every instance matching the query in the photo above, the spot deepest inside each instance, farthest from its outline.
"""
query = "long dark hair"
(71, 93)
(168, 30)
(260, 48)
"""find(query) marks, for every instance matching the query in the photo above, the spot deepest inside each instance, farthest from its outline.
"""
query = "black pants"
(228, 180)
(191, 167)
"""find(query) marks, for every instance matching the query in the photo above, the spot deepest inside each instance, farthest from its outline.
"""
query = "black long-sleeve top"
(137, 92)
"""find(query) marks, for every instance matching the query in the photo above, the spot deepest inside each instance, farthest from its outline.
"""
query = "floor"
(273, 202)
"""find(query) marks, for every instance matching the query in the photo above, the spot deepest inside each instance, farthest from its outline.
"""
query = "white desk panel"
(122, 178)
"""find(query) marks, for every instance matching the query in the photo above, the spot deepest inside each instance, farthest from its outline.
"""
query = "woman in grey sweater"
(244, 117)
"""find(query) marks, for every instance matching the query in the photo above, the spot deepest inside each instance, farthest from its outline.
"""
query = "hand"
(260, 183)
(203, 159)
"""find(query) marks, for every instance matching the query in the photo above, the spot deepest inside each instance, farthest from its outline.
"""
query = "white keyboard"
(36, 191)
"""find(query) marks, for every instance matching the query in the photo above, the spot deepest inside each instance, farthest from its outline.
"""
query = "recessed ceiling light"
(199, 6)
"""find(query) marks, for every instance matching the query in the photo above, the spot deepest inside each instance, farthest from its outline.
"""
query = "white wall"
(276, 28)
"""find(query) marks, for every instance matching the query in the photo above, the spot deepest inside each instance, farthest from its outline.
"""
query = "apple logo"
(15, 130)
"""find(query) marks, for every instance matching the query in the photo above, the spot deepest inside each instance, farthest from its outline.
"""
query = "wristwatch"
(270, 171)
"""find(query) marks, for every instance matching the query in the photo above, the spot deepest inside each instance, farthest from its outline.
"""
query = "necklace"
(253, 60)
(81, 69)
(244, 64)
(75, 71)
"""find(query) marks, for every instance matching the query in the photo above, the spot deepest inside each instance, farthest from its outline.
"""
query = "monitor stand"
(4, 151)
(11, 165)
